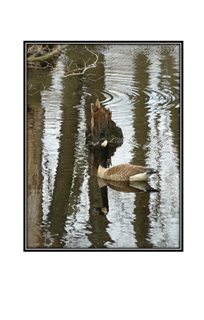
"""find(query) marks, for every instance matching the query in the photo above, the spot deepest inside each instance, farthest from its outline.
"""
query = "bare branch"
(33, 65)
(34, 54)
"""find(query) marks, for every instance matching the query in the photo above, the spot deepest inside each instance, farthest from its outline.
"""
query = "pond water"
(140, 84)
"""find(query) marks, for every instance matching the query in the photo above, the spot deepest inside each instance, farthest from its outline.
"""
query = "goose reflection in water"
(120, 186)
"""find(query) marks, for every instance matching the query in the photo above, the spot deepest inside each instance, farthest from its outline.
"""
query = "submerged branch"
(86, 67)
(47, 56)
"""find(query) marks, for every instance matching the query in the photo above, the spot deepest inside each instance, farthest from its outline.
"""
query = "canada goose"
(127, 186)
(121, 172)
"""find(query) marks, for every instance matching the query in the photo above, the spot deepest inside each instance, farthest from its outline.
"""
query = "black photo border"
(181, 102)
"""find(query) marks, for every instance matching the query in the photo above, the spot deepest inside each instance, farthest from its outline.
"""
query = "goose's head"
(103, 142)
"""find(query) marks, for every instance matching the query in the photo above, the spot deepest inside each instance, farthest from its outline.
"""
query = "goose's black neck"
(104, 156)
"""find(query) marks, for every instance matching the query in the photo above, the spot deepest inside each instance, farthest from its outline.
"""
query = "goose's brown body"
(125, 172)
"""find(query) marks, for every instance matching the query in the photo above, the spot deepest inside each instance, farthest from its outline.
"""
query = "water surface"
(140, 85)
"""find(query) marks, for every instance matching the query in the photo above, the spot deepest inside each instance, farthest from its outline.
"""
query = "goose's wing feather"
(122, 172)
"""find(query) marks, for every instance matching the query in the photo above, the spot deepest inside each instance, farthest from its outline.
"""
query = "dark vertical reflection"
(141, 64)
(34, 155)
(34, 181)
(142, 223)
(58, 209)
